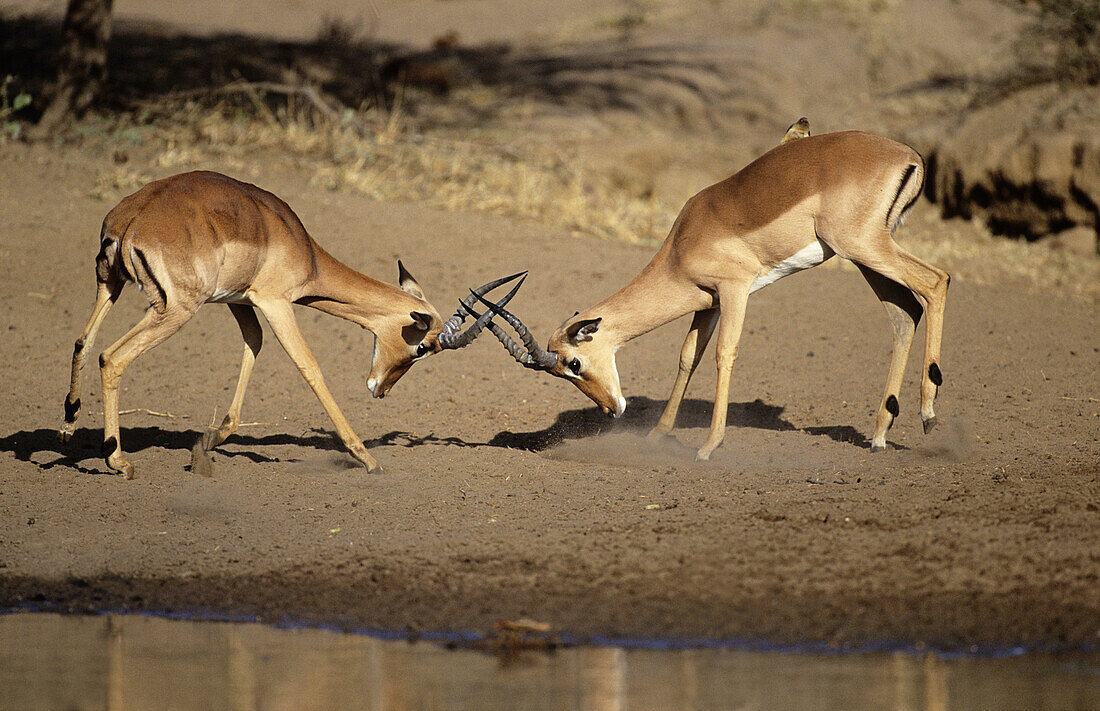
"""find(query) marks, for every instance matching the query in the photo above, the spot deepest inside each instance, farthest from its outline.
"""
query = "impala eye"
(575, 366)
(421, 349)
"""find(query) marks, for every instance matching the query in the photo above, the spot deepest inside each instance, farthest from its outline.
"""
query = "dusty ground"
(508, 495)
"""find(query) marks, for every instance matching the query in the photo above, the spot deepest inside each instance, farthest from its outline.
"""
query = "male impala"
(203, 237)
(790, 209)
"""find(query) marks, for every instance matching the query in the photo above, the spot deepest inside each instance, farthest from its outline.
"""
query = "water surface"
(119, 662)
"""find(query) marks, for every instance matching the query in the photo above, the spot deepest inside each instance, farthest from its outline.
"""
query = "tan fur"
(847, 190)
(200, 237)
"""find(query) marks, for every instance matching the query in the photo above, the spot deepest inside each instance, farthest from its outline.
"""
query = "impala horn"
(535, 356)
(450, 337)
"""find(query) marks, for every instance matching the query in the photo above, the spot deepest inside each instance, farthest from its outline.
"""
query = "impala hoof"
(64, 434)
(929, 425)
(878, 448)
(372, 467)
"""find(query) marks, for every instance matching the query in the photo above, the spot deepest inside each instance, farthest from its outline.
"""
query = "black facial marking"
(935, 375)
(109, 446)
(892, 406)
(71, 408)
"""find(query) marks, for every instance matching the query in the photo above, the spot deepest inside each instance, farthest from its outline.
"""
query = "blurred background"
(601, 116)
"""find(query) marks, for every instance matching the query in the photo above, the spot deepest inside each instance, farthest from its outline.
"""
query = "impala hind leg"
(280, 315)
(106, 295)
(931, 375)
(733, 300)
(253, 340)
(930, 284)
(691, 353)
(151, 330)
(904, 312)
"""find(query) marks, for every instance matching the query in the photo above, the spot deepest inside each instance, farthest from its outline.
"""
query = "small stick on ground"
(154, 413)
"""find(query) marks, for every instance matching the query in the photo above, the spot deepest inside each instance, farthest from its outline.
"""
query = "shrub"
(1062, 41)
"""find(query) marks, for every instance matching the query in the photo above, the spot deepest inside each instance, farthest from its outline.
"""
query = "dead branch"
(147, 412)
(253, 89)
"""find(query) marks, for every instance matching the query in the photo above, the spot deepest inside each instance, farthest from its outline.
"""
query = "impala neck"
(655, 297)
(339, 290)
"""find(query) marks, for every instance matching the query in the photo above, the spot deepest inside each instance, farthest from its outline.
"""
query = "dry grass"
(386, 157)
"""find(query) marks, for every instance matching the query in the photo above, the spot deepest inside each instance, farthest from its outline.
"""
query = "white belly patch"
(227, 297)
(809, 256)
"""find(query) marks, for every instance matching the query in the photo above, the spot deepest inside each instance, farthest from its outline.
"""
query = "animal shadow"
(85, 444)
(642, 413)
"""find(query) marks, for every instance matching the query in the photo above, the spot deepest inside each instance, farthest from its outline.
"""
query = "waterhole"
(116, 662)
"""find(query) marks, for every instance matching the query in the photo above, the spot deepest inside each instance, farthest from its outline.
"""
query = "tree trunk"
(82, 70)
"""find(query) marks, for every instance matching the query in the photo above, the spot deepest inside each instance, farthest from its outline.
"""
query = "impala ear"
(582, 331)
(406, 281)
(421, 320)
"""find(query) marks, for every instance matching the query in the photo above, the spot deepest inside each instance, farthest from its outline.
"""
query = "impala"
(202, 237)
(791, 209)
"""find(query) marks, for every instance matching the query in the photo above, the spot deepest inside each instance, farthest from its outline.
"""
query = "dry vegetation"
(383, 156)
(475, 147)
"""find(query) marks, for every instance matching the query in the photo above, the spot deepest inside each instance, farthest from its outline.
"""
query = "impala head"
(587, 360)
(577, 351)
(415, 331)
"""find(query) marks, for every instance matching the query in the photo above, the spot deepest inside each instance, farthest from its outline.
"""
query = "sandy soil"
(506, 494)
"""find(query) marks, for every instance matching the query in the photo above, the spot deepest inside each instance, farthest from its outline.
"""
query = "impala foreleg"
(733, 300)
(904, 312)
(280, 315)
(253, 340)
(106, 295)
(691, 353)
(151, 330)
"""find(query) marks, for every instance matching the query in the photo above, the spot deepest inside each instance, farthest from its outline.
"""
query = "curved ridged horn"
(450, 338)
(535, 356)
(451, 325)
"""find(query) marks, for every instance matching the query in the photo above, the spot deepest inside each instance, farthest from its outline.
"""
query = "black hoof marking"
(875, 448)
(109, 446)
(935, 375)
(892, 406)
(929, 424)
(71, 408)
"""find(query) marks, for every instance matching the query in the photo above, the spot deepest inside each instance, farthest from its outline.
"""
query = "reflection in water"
(121, 662)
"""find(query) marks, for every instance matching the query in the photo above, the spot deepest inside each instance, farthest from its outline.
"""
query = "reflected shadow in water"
(50, 661)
